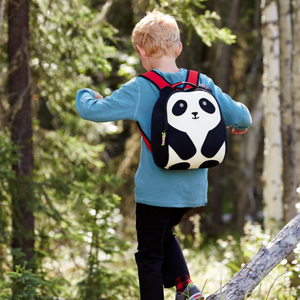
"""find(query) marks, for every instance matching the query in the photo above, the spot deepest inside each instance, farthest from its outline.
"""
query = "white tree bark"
(288, 131)
(267, 258)
(2, 5)
(273, 209)
(296, 79)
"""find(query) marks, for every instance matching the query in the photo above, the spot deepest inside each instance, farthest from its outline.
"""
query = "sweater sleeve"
(121, 104)
(235, 113)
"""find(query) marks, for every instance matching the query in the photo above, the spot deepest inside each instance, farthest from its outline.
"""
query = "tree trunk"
(245, 188)
(126, 170)
(223, 67)
(245, 191)
(267, 258)
(288, 131)
(21, 126)
(224, 52)
(273, 210)
(296, 79)
(2, 5)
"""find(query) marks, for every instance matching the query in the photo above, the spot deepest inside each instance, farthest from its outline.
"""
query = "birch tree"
(288, 131)
(2, 5)
(273, 213)
(296, 79)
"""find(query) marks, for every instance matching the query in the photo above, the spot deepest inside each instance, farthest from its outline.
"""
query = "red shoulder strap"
(156, 79)
(160, 83)
(192, 77)
(145, 138)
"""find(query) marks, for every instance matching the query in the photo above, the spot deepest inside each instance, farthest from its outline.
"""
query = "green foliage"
(103, 283)
(22, 284)
(8, 157)
(74, 210)
(240, 252)
(192, 14)
(81, 211)
(74, 204)
(68, 46)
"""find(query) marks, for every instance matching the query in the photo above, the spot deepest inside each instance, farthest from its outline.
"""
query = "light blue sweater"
(135, 101)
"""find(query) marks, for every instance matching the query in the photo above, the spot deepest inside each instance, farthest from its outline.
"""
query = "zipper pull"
(163, 138)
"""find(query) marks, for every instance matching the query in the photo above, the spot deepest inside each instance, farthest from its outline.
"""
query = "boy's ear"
(180, 48)
(142, 51)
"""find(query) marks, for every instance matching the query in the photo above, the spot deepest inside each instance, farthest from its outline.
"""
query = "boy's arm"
(121, 104)
(236, 114)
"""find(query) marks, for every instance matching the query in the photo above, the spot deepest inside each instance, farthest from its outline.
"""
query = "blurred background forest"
(67, 209)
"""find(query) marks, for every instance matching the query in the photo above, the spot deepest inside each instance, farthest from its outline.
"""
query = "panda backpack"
(187, 128)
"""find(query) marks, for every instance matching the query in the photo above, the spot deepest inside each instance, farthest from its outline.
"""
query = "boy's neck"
(165, 64)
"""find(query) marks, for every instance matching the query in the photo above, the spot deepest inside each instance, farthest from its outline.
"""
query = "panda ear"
(166, 91)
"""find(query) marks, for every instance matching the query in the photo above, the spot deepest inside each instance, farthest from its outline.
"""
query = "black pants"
(159, 257)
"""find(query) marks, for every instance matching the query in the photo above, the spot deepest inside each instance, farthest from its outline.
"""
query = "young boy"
(162, 196)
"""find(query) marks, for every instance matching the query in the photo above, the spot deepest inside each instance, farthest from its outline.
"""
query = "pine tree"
(21, 128)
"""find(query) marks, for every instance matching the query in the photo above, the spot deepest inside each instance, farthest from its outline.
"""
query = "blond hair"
(158, 34)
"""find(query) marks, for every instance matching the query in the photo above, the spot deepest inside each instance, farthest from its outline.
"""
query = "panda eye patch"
(179, 108)
(207, 106)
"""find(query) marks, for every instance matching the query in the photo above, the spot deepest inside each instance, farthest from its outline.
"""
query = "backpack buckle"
(189, 84)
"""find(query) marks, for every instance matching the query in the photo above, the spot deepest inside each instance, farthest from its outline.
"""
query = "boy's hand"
(238, 131)
(97, 95)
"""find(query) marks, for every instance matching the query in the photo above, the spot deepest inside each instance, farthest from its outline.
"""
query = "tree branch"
(267, 258)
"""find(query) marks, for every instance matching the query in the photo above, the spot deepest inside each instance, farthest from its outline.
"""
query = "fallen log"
(266, 259)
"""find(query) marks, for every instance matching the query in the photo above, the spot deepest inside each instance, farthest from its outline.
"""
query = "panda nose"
(195, 115)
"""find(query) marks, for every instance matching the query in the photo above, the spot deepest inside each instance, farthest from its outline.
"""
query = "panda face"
(191, 111)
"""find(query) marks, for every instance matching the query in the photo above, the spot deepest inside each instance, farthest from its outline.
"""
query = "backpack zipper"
(164, 133)
(163, 138)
